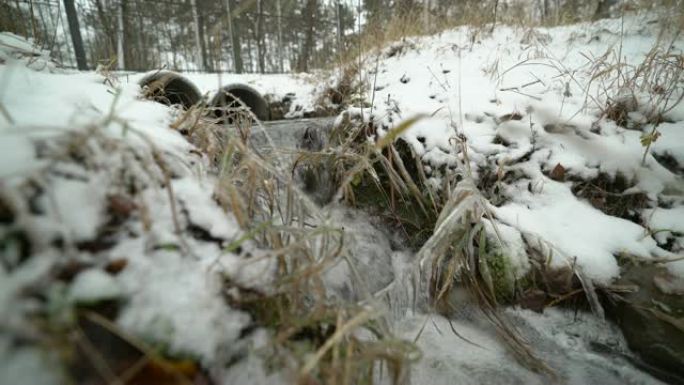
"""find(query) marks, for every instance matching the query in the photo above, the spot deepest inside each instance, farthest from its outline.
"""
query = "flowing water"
(464, 347)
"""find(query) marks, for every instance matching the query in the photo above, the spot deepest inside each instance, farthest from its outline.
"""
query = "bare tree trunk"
(426, 15)
(260, 36)
(602, 10)
(75, 32)
(545, 11)
(44, 28)
(280, 36)
(128, 44)
(203, 42)
(198, 35)
(234, 32)
(111, 37)
(18, 23)
(340, 32)
(173, 46)
(496, 9)
(143, 61)
(250, 61)
(309, 13)
(120, 53)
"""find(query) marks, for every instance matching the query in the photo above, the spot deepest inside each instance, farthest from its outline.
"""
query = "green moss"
(501, 272)
(402, 211)
(496, 269)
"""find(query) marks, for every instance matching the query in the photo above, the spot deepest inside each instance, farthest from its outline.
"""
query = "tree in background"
(252, 35)
(75, 31)
(308, 18)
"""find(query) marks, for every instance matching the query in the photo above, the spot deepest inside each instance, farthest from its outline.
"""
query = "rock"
(652, 320)
(533, 299)
(669, 284)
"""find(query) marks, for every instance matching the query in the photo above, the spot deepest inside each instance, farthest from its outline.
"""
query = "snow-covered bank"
(102, 201)
(534, 106)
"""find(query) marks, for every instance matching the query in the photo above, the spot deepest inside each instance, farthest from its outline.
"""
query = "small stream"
(464, 348)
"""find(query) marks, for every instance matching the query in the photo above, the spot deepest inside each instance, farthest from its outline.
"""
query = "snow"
(512, 243)
(13, 282)
(177, 301)
(94, 285)
(14, 48)
(672, 141)
(199, 197)
(74, 147)
(575, 231)
(17, 155)
(666, 219)
(665, 223)
(525, 101)
(79, 207)
(19, 365)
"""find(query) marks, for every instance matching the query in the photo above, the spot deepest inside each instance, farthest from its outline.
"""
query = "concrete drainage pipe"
(170, 88)
(249, 96)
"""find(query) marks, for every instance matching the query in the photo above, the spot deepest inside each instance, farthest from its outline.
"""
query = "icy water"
(464, 348)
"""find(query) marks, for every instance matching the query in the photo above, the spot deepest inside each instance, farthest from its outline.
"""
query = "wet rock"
(303, 138)
(533, 299)
(668, 283)
(652, 320)
(668, 161)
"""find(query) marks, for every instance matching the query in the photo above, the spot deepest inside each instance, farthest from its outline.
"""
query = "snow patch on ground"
(94, 285)
(177, 301)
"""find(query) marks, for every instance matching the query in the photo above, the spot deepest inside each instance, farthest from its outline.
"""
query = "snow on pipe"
(248, 95)
(170, 88)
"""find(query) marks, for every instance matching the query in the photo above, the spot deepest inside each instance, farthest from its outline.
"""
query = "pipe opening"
(170, 88)
(224, 100)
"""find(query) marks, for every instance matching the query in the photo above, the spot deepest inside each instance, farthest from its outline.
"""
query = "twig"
(524, 94)
(522, 86)
(666, 260)
(6, 114)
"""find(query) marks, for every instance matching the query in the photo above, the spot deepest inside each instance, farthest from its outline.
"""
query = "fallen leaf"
(115, 266)
(558, 173)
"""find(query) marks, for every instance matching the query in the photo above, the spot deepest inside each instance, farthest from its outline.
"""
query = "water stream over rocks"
(462, 348)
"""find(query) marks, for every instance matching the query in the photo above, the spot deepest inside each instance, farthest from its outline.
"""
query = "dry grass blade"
(395, 132)
(358, 320)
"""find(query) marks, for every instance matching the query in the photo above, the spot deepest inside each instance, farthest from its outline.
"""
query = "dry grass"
(458, 251)
(318, 340)
(454, 250)
(255, 186)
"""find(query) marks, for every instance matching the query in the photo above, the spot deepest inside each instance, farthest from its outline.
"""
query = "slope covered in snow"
(550, 119)
(102, 201)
